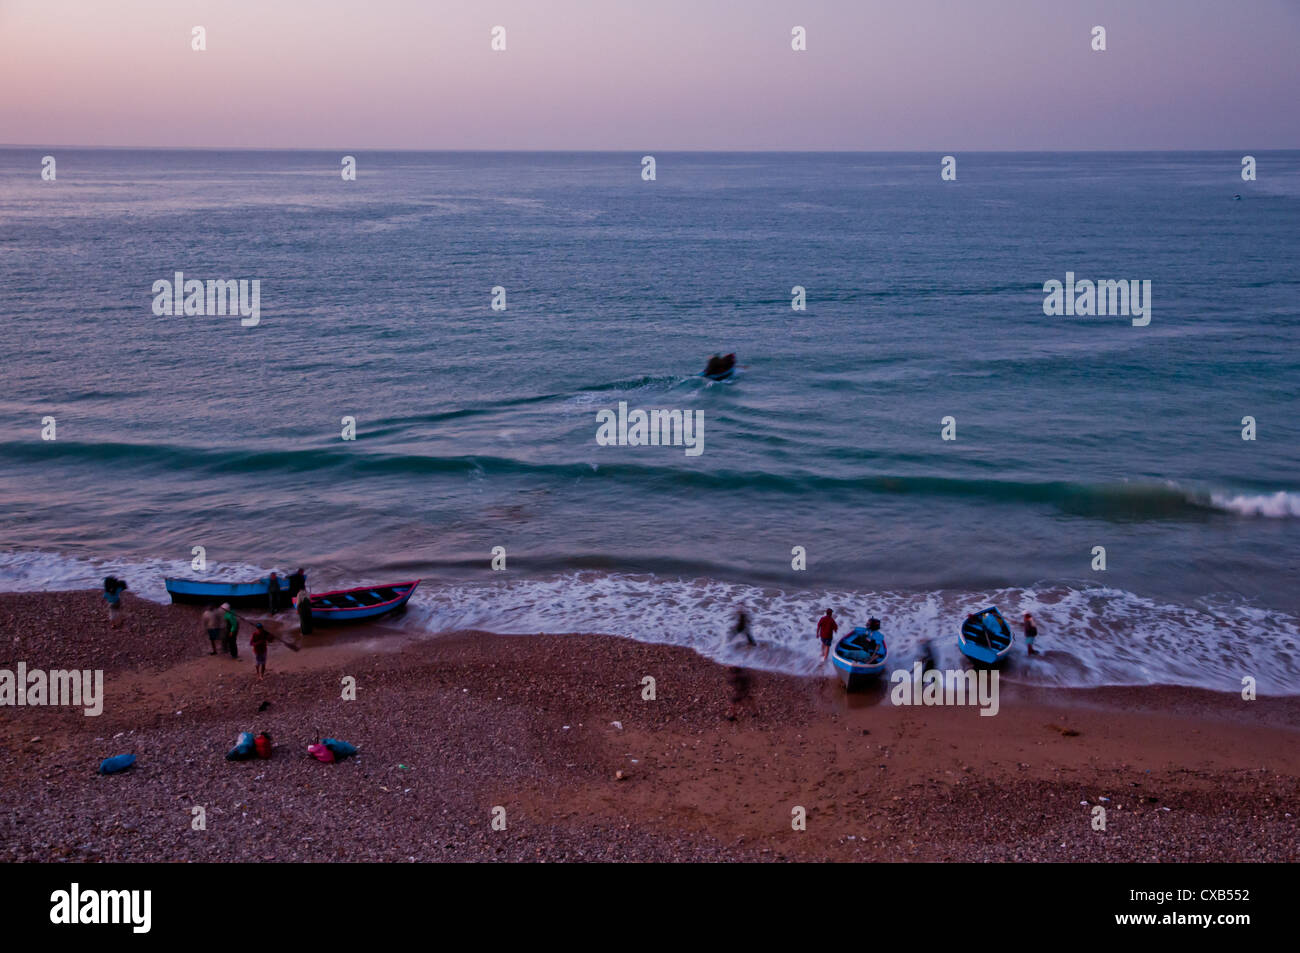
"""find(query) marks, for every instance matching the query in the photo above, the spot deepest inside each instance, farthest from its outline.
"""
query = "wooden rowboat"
(240, 595)
(985, 637)
(363, 602)
(860, 657)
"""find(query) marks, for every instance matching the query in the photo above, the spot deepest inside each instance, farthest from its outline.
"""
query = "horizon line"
(621, 151)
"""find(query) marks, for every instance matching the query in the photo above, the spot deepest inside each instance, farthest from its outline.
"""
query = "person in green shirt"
(232, 630)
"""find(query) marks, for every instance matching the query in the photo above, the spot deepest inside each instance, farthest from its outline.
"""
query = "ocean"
(476, 428)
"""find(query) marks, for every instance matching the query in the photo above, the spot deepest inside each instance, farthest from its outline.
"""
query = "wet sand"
(453, 726)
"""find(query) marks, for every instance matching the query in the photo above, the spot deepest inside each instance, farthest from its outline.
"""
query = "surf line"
(1101, 298)
(656, 428)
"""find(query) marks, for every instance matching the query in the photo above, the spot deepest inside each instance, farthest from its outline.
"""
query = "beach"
(554, 730)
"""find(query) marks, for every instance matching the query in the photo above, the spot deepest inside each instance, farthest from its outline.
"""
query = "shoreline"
(453, 725)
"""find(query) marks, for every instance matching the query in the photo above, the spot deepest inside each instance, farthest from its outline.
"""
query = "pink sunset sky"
(665, 74)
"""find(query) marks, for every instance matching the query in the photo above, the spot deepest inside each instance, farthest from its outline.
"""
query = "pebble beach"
(552, 737)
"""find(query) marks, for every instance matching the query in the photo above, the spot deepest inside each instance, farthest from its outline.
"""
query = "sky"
(652, 74)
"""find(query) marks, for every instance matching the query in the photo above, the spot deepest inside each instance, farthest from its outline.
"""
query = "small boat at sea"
(986, 637)
(860, 656)
(720, 367)
(363, 602)
(246, 595)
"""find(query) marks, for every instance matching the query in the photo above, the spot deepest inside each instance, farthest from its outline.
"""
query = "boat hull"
(243, 595)
(981, 655)
(986, 638)
(855, 681)
(856, 674)
(361, 603)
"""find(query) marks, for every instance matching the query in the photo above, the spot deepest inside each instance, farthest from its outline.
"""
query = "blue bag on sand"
(341, 749)
(244, 749)
(116, 763)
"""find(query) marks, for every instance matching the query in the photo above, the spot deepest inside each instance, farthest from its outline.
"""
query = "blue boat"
(248, 595)
(985, 637)
(361, 603)
(860, 656)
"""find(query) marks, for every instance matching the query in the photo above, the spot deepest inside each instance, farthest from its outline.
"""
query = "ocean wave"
(1279, 505)
(1089, 636)
(1119, 501)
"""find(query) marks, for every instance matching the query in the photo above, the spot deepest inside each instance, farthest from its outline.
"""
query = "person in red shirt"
(1031, 633)
(258, 641)
(826, 629)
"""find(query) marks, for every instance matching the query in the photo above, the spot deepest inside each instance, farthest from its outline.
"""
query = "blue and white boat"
(986, 637)
(361, 603)
(246, 595)
(860, 657)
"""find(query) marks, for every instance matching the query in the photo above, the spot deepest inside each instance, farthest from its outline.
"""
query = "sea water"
(476, 428)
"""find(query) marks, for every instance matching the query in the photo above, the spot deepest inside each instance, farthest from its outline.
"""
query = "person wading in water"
(1031, 633)
(826, 629)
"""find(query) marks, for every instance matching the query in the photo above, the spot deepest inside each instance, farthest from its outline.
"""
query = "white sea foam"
(1089, 637)
(39, 571)
(1279, 505)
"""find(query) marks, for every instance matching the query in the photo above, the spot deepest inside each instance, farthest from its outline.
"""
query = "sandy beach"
(554, 729)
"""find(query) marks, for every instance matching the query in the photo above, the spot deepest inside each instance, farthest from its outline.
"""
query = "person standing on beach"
(826, 629)
(1031, 633)
(297, 583)
(258, 640)
(113, 589)
(304, 610)
(232, 629)
(212, 626)
(273, 593)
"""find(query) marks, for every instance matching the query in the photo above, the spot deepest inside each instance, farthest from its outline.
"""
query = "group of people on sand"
(220, 623)
(276, 594)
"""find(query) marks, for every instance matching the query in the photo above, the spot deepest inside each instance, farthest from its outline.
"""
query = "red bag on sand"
(263, 745)
(321, 753)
